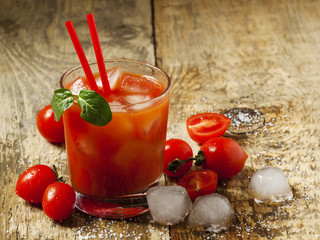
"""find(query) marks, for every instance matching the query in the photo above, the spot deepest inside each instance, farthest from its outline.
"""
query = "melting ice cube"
(114, 76)
(168, 204)
(86, 146)
(150, 126)
(134, 98)
(269, 184)
(213, 212)
(116, 106)
(137, 102)
(140, 85)
(77, 86)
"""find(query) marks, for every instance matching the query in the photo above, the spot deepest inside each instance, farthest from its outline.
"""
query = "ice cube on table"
(269, 184)
(213, 212)
(168, 204)
(114, 76)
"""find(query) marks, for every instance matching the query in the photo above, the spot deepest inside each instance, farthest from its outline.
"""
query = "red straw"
(82, 56)
(98, 52)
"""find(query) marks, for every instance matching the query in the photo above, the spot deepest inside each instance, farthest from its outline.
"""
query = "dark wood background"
(220, 55)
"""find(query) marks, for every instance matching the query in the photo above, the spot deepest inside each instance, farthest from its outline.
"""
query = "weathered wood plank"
(219, 54)
(262, 55)
(35, 50)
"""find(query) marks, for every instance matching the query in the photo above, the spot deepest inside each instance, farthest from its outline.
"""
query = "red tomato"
(58, 201)
(33, 182)
(199, 183)
(179, 150)
(224, 156)
(203, 126)
(50, 129)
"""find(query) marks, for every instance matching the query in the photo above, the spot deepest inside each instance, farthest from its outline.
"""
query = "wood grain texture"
(35, 50)
(262, 55)
(220, 55)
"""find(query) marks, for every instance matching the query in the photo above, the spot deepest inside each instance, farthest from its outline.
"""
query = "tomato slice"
(204, 126)
(199, 183)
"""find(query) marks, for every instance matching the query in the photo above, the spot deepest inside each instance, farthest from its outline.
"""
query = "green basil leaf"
(62, 99)
(95, 109)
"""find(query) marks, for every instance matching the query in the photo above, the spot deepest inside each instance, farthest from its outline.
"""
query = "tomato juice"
(126, 155)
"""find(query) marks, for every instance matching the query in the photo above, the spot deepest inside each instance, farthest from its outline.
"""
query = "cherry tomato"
(224, 156)
(33, 182)
(58, 201)
(199, 183)
(179, 150)
(50, 129)
(203, 126)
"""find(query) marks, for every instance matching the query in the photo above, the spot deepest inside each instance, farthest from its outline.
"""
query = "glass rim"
(166, 90)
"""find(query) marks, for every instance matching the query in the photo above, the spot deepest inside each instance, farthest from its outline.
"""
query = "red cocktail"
(110, 167)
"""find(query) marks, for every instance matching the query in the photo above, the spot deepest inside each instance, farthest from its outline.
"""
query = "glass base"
(115, 208)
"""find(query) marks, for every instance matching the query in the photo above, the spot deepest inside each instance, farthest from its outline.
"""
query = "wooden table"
(220, 55)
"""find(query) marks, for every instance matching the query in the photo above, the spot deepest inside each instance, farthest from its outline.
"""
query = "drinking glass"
(111, 167)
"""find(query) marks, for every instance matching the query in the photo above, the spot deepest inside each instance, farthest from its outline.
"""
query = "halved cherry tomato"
(179, 151)
(58, 201)
(33, 182)
(48, 127)
(224, 156)
(203, 126)
(199, 183)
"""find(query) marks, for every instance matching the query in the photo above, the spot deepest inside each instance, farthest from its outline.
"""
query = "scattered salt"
(244, 120)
